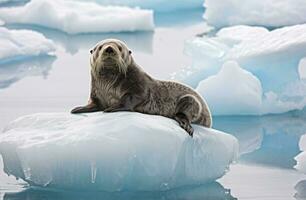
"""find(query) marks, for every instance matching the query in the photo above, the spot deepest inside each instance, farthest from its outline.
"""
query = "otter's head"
(110, 53)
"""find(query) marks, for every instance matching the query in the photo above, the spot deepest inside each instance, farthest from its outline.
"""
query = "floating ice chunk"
(272, 56)
(301, 158)
(272, 45)
(232, 91)
(113, 151)
(79, 17)
(20, 44)
(273, 13)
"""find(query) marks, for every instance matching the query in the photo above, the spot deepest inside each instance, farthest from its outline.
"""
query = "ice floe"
(22, 44)
(273, 13)
(113, 151)
(232, 91)
(79, 17)
(271, 56)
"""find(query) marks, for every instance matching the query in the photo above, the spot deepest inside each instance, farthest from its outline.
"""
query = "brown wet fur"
(121, 85)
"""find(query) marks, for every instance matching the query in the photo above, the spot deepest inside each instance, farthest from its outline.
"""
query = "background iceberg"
(79, 17)
(272, 13)
(114, 151)
(225, 96)
(272, 56)
(21, 44)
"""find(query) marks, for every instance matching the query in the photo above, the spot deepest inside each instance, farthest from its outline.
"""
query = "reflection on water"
(140, 41)
(15, 71)
(300, 190)
(214, 191)
(179, 18)
(12, 3)
(270, 140)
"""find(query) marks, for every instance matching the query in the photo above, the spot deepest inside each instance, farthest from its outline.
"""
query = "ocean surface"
(268, 144)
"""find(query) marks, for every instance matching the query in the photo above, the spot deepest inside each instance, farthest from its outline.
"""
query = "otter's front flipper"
(184, 123)
(92, 107)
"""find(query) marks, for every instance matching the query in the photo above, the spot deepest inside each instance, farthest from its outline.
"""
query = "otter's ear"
(130, 52)
(90, 51)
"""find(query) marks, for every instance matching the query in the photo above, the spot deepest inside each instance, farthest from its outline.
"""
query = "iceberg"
(225, 96)
(113, 152)
(79, 17)
(156, 5)
(301, 158)
(272, 56)
(273, 13)
(22, 44)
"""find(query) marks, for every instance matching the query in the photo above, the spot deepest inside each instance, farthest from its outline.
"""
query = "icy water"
(57, 83)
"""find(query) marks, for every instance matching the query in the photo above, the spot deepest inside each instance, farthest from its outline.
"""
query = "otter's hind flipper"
(184, 122)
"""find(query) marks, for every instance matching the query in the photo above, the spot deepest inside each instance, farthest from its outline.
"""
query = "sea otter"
(119, 84)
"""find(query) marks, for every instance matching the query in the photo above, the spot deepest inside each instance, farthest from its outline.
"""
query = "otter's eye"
(100, 47)
(120, 48)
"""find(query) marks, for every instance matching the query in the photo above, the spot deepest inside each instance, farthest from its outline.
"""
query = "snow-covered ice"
(271, 56)
(79, 17)
(272, 13)
(225, 96)
(301, 158)
(113, 151)
(21, 44)
(156, 5)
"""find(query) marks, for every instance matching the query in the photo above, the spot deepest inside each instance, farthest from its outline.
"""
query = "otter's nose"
(109, 50)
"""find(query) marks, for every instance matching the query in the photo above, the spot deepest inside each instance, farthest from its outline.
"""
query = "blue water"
(57, 83)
